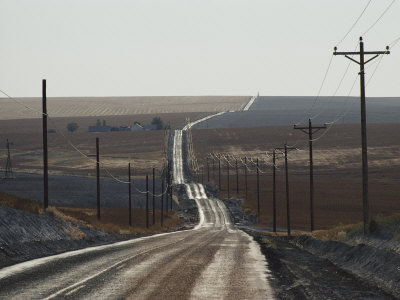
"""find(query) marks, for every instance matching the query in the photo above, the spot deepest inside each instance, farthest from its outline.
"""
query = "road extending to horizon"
(215, 260)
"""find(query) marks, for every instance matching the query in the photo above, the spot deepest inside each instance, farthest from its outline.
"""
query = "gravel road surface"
(213, 261)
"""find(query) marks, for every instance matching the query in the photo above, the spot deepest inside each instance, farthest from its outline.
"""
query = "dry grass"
(113, 220)
(75, 232)
(338, 233)
(20, 203)
(116, 220)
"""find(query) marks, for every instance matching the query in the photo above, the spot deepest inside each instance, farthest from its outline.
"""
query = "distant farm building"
(99, 127)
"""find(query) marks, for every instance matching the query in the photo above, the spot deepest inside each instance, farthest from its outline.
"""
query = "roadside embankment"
(341, 263)
(27, 235)
(27, 232)
(373, 257)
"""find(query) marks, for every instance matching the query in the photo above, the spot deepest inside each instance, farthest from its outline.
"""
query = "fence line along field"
(337, 172)
(108, 106)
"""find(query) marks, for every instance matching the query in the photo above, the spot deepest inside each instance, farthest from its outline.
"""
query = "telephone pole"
(45, 156)
(8, 172)
(310, 130)
(286, 148)
(362, 63)
(130, 194)
(258, 193)
(237, 178)
(98, 177)
(245, 174)
(274, 190)
(227, 167)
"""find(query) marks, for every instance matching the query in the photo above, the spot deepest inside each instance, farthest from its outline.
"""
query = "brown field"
(21, 108)
(337, 169)
(144, 149)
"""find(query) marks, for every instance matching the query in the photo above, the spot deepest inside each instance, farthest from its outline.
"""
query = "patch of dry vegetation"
(20, 203)
(115, 220)
(75, 232)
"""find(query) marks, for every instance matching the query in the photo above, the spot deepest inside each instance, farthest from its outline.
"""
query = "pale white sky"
(191, 47)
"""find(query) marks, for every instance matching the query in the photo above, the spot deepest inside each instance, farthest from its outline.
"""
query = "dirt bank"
(303, 273)
(25, 236)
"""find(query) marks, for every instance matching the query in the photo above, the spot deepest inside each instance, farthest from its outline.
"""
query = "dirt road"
(213, 261)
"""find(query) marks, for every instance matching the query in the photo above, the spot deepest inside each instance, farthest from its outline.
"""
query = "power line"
(337, 88)
(69, 142)
(354, 24)
(394, 43)
(379, 18)
(20, 103)
(330, 124)
(319, 90)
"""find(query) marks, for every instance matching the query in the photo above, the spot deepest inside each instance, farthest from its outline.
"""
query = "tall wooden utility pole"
(45, 163)
(147, 201)
(310, 130)
(8, 174)
(162, 196)
(213, 169)
(154, 197)
(170, 185)
(219, 172)
(258, 193)
(130, 194)
(227, 166)
(208, 171)
(168, 176)
(274, 190)
(286, 148)
(245, 174)
(237, 178)
(362, 63)
(98, 177)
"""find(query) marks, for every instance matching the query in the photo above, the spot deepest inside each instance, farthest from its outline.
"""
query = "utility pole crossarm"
(362, 63)
(365, 52)
(287, 148)
(310, 130)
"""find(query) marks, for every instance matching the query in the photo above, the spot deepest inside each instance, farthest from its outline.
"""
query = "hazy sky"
(191, 47)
